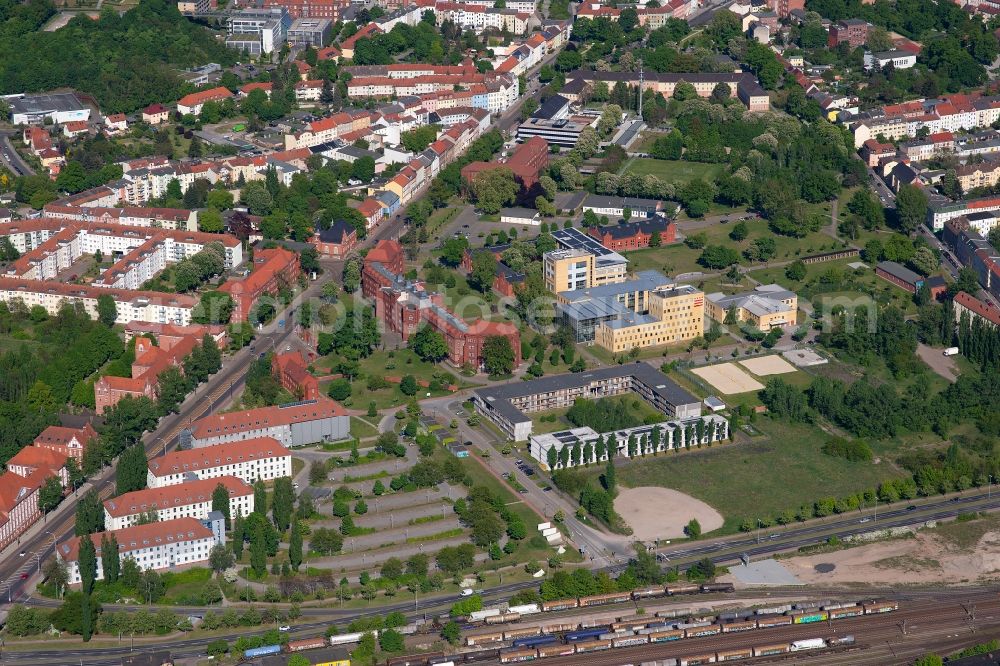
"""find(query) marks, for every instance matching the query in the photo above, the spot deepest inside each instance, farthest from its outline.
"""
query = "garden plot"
(768, 365)
(728, 378)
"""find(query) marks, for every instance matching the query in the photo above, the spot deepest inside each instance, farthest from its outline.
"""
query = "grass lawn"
(388, 363)
(361, 428)
(835, 279)
(679, 258)
(673, 171)
(549, 420)
(761, 478)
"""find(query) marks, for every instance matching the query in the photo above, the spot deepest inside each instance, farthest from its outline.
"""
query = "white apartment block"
(192, 499)
(261, 458)
(156, 546)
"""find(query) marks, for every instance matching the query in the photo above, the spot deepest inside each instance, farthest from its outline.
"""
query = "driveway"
(941, 364)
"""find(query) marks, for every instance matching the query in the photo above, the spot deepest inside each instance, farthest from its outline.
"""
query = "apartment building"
(250, 459)
(150, 361)
(130, 216)
(193, 103)
(853, 32)
(579, 446)
(272, 269)
(742, 86)
(70, 442)
(329, 10)
(192, 499)
(157, 546)
(970, 306)
(526, 162)
(766, 307)
(19, 503)
(507, 405)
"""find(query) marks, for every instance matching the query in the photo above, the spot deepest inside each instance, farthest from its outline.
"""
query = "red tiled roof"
(61, 436)
(154, 109)
(139, 537)
(181, 494)
(230, 453)
(14, 489)
(984, 310)
(232, 422)
(38, 457)
(369, 207)
(204, 96)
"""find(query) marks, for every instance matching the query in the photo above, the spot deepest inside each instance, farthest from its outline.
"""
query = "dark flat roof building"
(508, 405)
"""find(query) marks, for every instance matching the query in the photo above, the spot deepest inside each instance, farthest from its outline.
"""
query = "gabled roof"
(181, 494)
(231, 453)
(140, 537)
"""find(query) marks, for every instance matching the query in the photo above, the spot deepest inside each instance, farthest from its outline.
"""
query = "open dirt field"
(955, 553)
(728, 378)
(662, 513)
(768, 365)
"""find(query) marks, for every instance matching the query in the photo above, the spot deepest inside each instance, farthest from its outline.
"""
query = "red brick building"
(785, 7)
(634, 235)
(852, 31)
(328, 9)
(337, 241)
(150, 361)
(403, 307)
(71, 442)
(292, 371)
(527, 161)
(272, 270)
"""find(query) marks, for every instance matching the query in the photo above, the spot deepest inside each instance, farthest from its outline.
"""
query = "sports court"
(728, 378)
(767, 365)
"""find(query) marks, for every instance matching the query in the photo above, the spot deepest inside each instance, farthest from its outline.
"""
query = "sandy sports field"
(768, 365)
(728, 378)
(661, 513)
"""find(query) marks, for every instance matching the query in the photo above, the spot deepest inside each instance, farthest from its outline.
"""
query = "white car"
(468, 592)
(284, 627)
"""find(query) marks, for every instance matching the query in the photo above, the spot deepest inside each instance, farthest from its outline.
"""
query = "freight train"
(567, 638)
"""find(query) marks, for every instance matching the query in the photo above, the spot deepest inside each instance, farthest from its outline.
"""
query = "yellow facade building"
(676, 314)
(574, 269)
(764, 308)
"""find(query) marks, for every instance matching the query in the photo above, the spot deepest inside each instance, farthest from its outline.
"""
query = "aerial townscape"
(439, 332)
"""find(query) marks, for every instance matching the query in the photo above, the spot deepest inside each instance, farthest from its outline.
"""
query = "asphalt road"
(9, 157)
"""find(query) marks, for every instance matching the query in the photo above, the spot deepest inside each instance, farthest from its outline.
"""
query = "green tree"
(428, 344)
(295, 546)
(221, 501)
(50, 494)
(693, 529)
(132, 470)
(110, 558)
(911, 208)
(107, 311)
(87, 563)
(493, 189)
(282, 503)
(89, 515)
(498, 355)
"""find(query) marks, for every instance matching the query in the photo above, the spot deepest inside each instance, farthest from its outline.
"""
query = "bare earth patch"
(931, 556)
(661, 513)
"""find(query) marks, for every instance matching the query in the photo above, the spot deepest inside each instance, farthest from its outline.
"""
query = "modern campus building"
(765, 307)
(646, 311)
(508, 405)
(192, 499)
(294, 424)
(581, 262)
(262, 458)
(156, 546)
(582, 448)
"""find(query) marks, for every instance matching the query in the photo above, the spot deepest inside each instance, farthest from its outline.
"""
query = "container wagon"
(628, 641)
(666, 636)
(503, 618)
(515, 655)
(733, 655)
(881, 607)
(441, 661)
(682, 589)
(482, 639)
(598, 623)
(837, 641)
(262, 651)
(413, 659)
(710, 630)
(647, 592)
(592, 646)
(480, 655)
(559, 627)
(629, 625)
(697, 660)
(306, 644)
(768, 650)
(774, 610)
(718, 587)
(808, 617)
(661, 662)
(734, 627)
(765, 622)
(560, 604)
(601, 599)
(556, 650)
(522, 632)
(584, 634)
(533, 641)
(344, 639)
(851, 611)
(611, 635)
